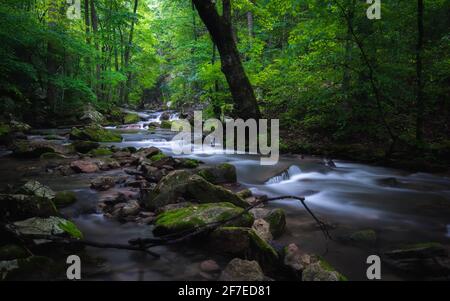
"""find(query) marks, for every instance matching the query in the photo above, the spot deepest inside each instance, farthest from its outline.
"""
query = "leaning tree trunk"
(419, 68)
(220, 28)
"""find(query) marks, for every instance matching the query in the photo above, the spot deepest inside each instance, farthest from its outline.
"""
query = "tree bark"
(419, 71)
(52, 64)
(220, 28)
(94, 22)
(126, 90)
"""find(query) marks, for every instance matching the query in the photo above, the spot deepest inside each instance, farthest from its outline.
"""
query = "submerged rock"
(188, 218)
(95, 133)
(424, 259)
(242, 270)
(364, 237)
(181, 184)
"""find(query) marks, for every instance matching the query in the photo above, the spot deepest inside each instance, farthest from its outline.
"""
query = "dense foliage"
(339, 82)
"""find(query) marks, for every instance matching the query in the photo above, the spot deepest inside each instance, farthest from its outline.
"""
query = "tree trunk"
(87, 22)
(52, 64)
(94, 22)
(220, 28)
(127, 58)
(419, 67)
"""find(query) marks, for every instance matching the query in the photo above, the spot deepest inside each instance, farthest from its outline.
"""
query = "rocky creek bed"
(94, 191)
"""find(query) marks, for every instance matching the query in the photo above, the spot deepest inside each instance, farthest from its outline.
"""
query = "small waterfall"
(285, 175)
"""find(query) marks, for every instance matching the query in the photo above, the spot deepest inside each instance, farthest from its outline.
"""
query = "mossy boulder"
(131, 118)
(246, 193)
(165, 124)
(64, 199)
(85, 146)
(95, 133)
(34, 149)
(11, 251)
(244, 242)
(18, 126)
(182, 184)
(99, 152)
(219, 174)
(321, 270)
(20, 206)
(188, 218)
(189, 163)
(157, 157)
(51, 226)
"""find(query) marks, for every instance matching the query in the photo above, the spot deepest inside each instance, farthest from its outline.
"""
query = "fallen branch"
(188, 234)
(67, 240)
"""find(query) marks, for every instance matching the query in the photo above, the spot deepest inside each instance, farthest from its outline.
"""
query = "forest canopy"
(339, 82)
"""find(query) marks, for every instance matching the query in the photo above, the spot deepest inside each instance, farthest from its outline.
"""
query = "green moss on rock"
(131, 118)
(64, 199)
(95, 133)
(101, 152)
(165, 124)
(188, 218)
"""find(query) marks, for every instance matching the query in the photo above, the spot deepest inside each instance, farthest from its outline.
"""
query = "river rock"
(64, 199)
(37, 189)
(85, 146)
(33, 268)
(242, 270)
(219, 174)
(188, 218)
(107, 164)
(84, 166)
(19, 206)
(424, 259)
(125, 210)
(321, 271)
(131, 118)
(34, 149)
(181, 184)
(91, 115)
(50, 226)
(95, 133)
(244, 243)
(295, 260)
(103, 183)
(209, 266)
(11, 251)
(262, 228)
(275, 217)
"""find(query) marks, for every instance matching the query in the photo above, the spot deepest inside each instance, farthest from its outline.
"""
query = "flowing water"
(401, 207)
